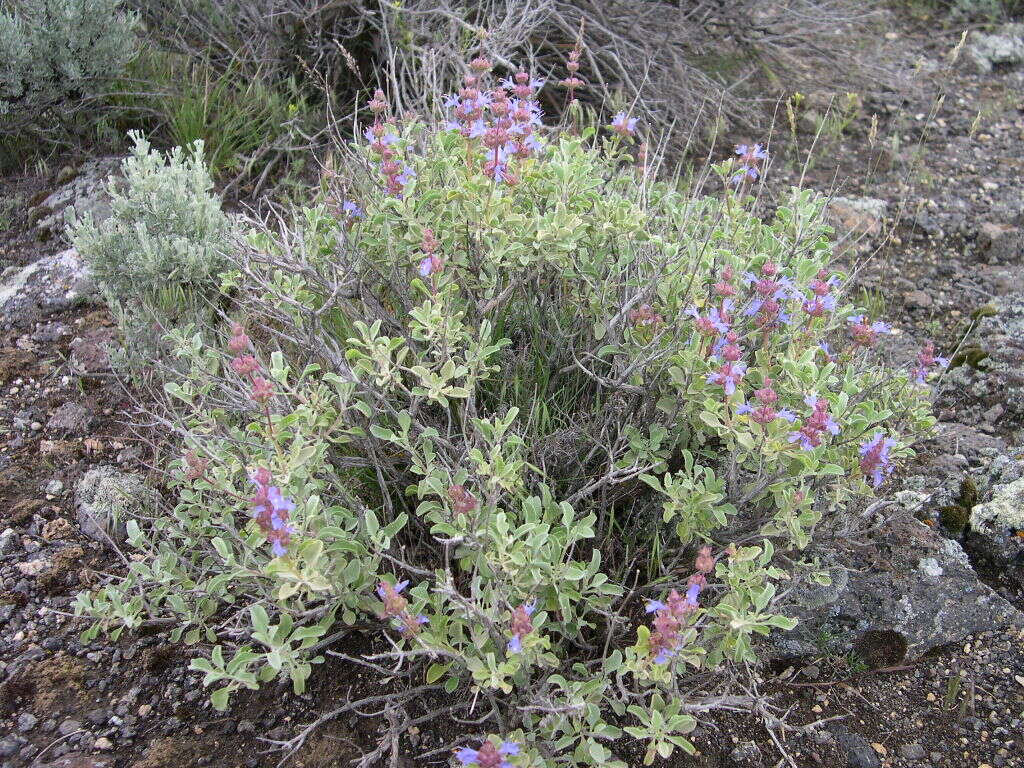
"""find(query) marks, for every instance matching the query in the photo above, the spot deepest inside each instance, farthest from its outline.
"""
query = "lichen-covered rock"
(997, 531)
(48, 285)
(1004, 47)
(906, 591)
(106, 497)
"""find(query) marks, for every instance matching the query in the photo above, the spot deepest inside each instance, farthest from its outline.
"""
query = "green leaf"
(219, 698)
(435, 672)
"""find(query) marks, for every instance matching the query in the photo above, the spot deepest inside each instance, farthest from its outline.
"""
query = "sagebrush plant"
(56, 54)
(163, 247)
(557, 430)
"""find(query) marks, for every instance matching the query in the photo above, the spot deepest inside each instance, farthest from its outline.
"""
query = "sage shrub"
(55, 54)
(556, 431)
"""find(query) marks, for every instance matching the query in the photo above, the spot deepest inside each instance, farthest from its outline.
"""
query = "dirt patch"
(56, 682)
(65, 564)
(15, 362)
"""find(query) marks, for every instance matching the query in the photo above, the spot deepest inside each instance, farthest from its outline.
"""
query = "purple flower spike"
(875, 461)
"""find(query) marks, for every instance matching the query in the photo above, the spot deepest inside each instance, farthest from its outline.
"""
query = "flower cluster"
(196, 465)
(865, 333)
(430, 263)
(820, 421)
(573, 81)
(875, 461)
(672, 614)
(729, 375)
(750, 157)
(521, 625)
(245, 365)
(822, 299)
(766, 411)
(463, 502)
(272, 512)
(645, 317)
(624, 125)
(505, 127)
(488, 756)
(396, 608)
(383, 140)
(926, 360)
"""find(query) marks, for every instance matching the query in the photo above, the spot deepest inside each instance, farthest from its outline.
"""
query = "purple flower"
(750, 157)
(387, 139)
(521, 625)
(655, 605)
(429, 265)
(926, 358)
(693, 592)
(728, 376)
(477, 129)
(664, 655)
(279, 502)
(805, 441)
(407, 175)
(828, 352)
(382, 590)
(352, 210)
(875, 459)
(623, 125)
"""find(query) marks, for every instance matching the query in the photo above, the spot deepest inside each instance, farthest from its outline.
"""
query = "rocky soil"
(914, 657)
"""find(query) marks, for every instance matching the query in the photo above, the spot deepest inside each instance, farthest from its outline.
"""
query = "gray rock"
(9, 542)
(1000, 242)
(77, 760)
(69, 726)
(918, 298)
(27, 721)
(85, 192)
(746, 753)
(70, 418)
(907, 592)
(51, 284)
(106, 497)
(97, 716)
(91, 352)
(857, 749)
(10, 746)
(912, 752)
(995, 528)
(857, 216)
(1003, 47)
